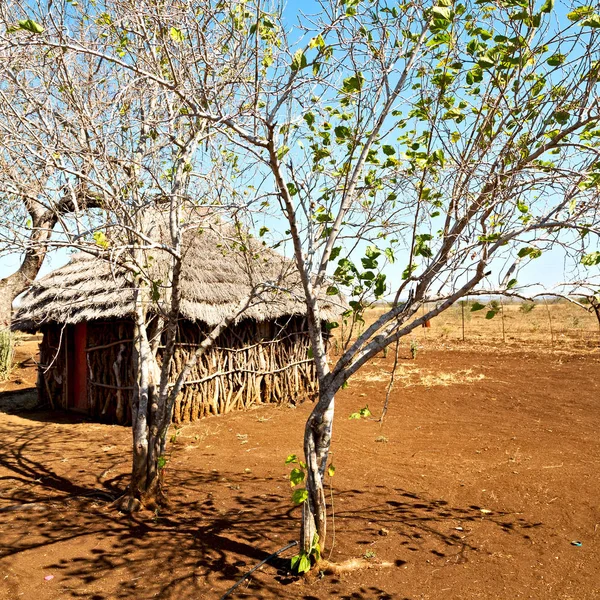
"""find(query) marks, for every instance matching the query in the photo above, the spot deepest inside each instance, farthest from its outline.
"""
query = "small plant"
(369, 554)
(414, 348)
(175, 435)
(526, 307)
(302, 562)
(363, 413)
(7, 345)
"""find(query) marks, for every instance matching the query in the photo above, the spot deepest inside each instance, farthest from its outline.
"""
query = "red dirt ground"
(482, 476)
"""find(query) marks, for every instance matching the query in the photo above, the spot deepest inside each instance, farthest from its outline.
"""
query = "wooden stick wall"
(252, 363)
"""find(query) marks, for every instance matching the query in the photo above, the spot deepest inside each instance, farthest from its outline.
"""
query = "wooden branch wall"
(252, 363)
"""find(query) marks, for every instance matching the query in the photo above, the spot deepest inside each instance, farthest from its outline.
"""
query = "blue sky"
(547, 270)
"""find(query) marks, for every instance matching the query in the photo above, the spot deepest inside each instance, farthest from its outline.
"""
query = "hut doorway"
(77, 397)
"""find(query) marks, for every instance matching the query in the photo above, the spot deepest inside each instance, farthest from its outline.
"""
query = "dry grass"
(552, 325)
(412, 375)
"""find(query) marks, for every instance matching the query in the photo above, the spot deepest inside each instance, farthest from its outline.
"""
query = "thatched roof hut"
(85, 309)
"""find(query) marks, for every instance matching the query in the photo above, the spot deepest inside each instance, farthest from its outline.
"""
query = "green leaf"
(547, 6)
(529, 251)
(442, 12)
(379, 289)
(31, 26)
(580, 12)
(477, 306)
(294, 563)
(591, 260)
(309, 118)
(332, 291)
(342, 132)
(557, 59)
(292, 458)
(161, 463)
(353, 84)
(100, 239)
(388, 150)
(561, 116)
(296, 476)
(299, 496)
(486, 62)
(304, 564)
(490, 314)
(593, 21)
(511, 284)
(310, 353)
(282, 151)
(335, 252)
(291, 189)
(331, 470)
(176, 35)
(299, 61)
(363, 413)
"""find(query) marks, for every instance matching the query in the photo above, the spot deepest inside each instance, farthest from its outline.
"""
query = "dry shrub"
(7, 349)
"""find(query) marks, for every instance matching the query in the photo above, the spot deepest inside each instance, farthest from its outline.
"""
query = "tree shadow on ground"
(57, 484)
(19, 401)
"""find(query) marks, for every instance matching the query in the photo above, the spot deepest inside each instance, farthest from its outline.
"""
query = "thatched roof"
(217, 274)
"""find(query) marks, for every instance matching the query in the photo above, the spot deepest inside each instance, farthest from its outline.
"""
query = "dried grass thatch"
(218, 271)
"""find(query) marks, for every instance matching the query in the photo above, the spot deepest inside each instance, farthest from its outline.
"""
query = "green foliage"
(27, 25)
(176, 35)
(414, 348)
(494, 308)
(100, 239)
(161, 462)
(302, 562)
(300, 496)
(299, 61)
(477, 306)
(353, 84)
(590, 260)
(297, 476)
(7, 344)
(530, 252)
(363, 413)
(526, 307)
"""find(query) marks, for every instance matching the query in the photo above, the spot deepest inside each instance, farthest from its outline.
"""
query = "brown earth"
(478, 483)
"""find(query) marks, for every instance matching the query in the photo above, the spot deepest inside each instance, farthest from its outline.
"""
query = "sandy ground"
(482, 482)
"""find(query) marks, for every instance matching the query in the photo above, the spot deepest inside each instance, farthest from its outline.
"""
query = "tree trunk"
(317, 440)
(7, 296)
(144, 488)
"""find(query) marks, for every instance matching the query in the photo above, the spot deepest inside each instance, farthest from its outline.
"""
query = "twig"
(391, 383)
(260, 564)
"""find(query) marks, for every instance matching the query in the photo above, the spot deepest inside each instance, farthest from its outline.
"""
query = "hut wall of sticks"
(251, 364)
(85, 312)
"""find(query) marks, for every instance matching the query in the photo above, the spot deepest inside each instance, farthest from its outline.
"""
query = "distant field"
(546, 325)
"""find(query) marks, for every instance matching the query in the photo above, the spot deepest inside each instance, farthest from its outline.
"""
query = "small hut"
(84, 311)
